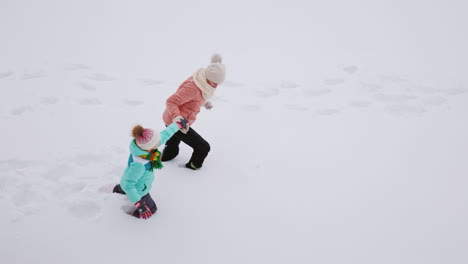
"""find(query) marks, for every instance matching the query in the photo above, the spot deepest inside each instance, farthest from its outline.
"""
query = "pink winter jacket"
(185, 102)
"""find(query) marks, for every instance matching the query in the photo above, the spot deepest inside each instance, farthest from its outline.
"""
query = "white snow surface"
(340, 135)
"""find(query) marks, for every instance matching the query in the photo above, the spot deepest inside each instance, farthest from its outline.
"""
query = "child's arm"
(130, 179)
(167, 133)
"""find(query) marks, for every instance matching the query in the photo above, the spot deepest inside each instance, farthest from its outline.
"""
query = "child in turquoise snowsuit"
(138, 177)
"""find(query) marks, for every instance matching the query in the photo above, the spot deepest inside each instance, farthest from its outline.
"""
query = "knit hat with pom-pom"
(216, 71)
(146, 138)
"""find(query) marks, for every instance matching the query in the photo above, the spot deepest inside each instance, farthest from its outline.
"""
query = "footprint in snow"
(232, 84)
(86, 159)
(107, 188)
(5, 74)
(76, 67)
(84, 209)
(21, 110)
(24, 196)
(390, 98)
(15, 164)
(329, 111)
(90, 101)
(251, 108)
(297, 107)
(128, 209)
(150, 82)
(360, 104)
(16, 216)
(100, 77)
(393, 79)
(369, 87)
(87, 86)
(133, 102)
(33, 75)
(217, 99)
(267, 93)
(288, 85)
(49, 100)
(351, 69)
(405, 109)
(58, 172)
(114, 173)
(455, 91)
(316, 92)
(31, 171)
(434, 101)
(65, 190)
(334, 81)
(425, 90)
(6, 182)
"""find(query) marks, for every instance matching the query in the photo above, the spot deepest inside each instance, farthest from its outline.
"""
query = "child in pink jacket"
(187, 102)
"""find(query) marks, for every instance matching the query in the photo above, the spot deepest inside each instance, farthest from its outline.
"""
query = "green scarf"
(155, 158)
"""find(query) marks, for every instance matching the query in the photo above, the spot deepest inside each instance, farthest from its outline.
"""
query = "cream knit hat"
(215, 71)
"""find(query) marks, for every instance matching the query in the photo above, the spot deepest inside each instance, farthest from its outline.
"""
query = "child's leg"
(151, 204)
(200, 148)
(171, 150)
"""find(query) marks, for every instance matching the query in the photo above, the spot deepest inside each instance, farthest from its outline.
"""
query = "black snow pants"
(199, 145)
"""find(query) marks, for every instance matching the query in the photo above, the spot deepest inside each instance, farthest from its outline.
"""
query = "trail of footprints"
(380, 92)
(395, 94)
(29, 187)
(89, 84)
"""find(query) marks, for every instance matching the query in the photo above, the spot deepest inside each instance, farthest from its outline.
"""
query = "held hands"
(208, 105)
(143, 209)
(182, 123)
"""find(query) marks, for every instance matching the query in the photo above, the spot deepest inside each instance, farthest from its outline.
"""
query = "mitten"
(208, 105)
(181, 122)
(143, 209)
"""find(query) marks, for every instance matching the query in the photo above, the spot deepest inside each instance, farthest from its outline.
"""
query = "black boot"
(149, 202)
(192, 166)
(118, 189)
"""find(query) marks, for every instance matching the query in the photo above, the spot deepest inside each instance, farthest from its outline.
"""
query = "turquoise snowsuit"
(137, 178)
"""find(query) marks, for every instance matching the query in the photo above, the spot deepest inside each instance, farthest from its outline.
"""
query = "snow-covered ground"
(340, 135)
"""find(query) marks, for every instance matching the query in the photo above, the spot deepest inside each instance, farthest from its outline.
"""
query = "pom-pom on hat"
(216, 71)
(146, 138)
